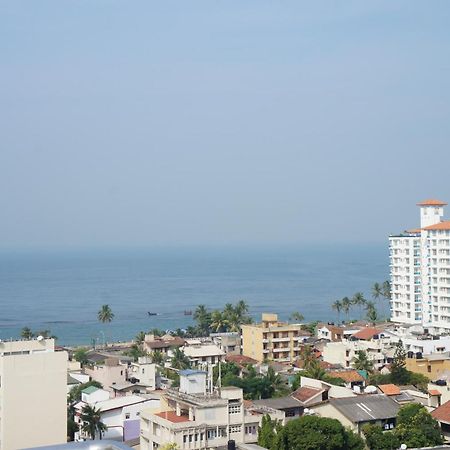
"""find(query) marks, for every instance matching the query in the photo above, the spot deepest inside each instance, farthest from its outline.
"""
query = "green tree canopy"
(316, 433)
(81, 355)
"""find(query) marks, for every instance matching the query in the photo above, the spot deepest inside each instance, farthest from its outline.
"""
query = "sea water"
(63, 290)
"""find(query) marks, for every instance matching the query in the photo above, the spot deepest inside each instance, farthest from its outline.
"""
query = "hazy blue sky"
(135, 123)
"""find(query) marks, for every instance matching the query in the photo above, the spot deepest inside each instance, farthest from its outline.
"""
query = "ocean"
(63, 290)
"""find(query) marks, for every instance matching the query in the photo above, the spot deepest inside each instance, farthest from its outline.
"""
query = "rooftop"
(445, 225)
(348, 376)
(202, 350)
(442, 413)
(366, 408)
(366, 333)
(119, 402)
(279, 403)
(306, 393)
(432, 202)
(389, 389)
(172, 417)
(89, 390)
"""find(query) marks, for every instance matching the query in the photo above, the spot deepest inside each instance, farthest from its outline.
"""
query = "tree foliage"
(81, 355)
(105, 314)
(267, 432)
(316, 433)
(415, 428)
(362, 361)
(92, 424)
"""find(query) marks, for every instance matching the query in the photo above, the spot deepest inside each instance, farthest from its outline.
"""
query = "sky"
(220, 122)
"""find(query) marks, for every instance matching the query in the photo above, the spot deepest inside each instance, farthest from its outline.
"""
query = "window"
(234, 409)
(235, 429)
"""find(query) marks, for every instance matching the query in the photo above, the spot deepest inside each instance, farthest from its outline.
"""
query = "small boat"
(188, 313)
(152, 313)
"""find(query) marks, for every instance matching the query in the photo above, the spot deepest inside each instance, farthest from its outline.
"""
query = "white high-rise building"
(420, 271)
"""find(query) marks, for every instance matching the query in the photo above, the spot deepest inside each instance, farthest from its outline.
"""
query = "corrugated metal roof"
(364, 408)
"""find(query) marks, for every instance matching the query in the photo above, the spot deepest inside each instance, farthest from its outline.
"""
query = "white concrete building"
(420, 271)
(193, 417)
(33, 390)
(121, 415)
(203, 352)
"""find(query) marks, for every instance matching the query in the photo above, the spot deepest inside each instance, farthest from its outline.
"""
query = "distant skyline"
(228, 122)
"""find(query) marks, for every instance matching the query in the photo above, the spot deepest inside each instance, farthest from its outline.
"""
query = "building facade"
(197, 417)
(420, 271)
(272, 340)
(33, 391)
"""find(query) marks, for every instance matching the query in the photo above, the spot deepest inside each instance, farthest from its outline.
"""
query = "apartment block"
(272, 339)
(33, 390)
(420, 271)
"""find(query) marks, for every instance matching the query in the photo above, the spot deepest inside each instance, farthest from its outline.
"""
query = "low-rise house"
(230, 342)
(352, 378)
(290, 407)
(332, 391)
(344, 352)
(355, 412)
(203, 353)
(144, 373)
(121, 415)
(109, 373)
(162, 344)
(329, 332)
(72, 382)
(310, 396)
(93, 394)
(197, 417)
(434, 366)
(442, 415)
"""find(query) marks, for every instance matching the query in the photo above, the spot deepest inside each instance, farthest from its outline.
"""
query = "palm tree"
(26, 333)
(307, 355)
(140, 338)
(387, 290)
(203, 319)
(377, 291)
(297, 316)
(362, 362)
(92, 424)
(359, 300)
(219, 321)
(242, 308)
(157, 357)
(372, 314)
(179, 360)
(346, 304)
(337, 306)
(105, 315)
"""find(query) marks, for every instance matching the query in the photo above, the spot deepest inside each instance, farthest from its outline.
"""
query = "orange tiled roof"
(434, 392)
(348, 376)
(442, 413)
(439, 226)
(240, 359)
(306, 393)
(366, 333)
(172, 417)
(389, 389)
(414, 230)
(432, 202)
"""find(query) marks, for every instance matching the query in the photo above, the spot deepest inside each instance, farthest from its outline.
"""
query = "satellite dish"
(40, 338)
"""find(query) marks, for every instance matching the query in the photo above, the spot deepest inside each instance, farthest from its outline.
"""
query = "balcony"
(281, 349)
(281, 339)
